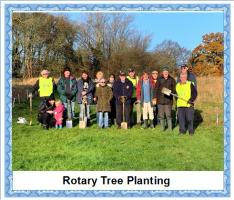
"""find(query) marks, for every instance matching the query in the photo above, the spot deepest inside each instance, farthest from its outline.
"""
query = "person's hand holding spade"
(122, 99)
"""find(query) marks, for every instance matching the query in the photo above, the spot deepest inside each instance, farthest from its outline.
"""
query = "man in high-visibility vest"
(134, 79)
(45, 86)
(187, 94)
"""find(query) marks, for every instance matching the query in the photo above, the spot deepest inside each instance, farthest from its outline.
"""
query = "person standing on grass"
(104, 95)
(67, 89)
(46, 113)
(85, 91)
(134, 79)
(144, 93)
(165, 102)
(99, 76)
(122, 90)
(190, 75)
(112, 114)
(154, 80)
(185, 105)
(45, 86)
(58, 114)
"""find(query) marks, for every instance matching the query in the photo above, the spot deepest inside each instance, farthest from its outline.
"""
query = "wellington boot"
(151, 124)
(169, 123)
(145, 124)
(162, 123)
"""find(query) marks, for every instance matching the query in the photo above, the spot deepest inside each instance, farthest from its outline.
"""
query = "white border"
(90, 2)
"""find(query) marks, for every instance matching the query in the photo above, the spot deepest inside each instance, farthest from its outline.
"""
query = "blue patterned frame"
(9, 8)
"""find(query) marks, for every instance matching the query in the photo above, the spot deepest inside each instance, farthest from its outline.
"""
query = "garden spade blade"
(166, 91)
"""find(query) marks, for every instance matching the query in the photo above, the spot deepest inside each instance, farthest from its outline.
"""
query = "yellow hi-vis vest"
(183, 91)
(45, 87)
(134, 82)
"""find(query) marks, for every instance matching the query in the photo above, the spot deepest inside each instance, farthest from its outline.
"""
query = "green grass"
(111, 149)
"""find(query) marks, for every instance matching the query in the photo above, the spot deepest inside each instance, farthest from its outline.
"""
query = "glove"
(191, 103)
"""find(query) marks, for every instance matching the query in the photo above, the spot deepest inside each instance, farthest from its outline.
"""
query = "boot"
(169, 123)
(145, 124)
(162, 123)
(151, 124)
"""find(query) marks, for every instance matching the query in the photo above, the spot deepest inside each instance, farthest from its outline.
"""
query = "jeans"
(103, 119)
(82, 111)
(72, 108)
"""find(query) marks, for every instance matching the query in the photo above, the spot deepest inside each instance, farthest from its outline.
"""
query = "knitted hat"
(165, 68)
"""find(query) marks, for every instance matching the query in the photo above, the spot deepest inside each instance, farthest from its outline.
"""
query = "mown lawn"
(111, 149)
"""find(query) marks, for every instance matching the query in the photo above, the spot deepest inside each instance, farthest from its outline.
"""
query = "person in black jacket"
(45, 115)
(165, 102)
(122, 90)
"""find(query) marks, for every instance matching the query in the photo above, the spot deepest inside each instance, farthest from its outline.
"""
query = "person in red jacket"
(145, 95)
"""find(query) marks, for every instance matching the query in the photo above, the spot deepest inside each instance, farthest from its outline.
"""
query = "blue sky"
(186, 28)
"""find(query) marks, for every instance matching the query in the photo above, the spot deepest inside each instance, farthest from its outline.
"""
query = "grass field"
(134, 149)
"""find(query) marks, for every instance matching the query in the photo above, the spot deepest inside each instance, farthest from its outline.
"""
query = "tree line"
(101, 41)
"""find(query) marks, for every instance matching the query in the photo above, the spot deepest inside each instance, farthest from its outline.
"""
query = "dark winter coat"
(168, 83)
(155, 86)
(123, 89)
(139, 90)
(90, 91)
(61, 88)
(45, 106)
(104, 95)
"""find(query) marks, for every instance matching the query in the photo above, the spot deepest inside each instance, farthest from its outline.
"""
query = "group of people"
(116, 98)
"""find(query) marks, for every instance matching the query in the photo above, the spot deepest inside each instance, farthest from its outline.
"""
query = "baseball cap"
(122, 73)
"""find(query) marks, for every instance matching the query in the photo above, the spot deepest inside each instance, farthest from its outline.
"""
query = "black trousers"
(186, 116)
(46, 119)
(119, 114)
(112, 114)
(132, 116)
(155, 109)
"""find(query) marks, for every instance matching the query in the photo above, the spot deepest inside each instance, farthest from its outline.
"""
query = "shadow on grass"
(197, 118)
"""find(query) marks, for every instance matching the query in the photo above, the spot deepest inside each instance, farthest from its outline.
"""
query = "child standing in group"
(104, 95)
(58, 114)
